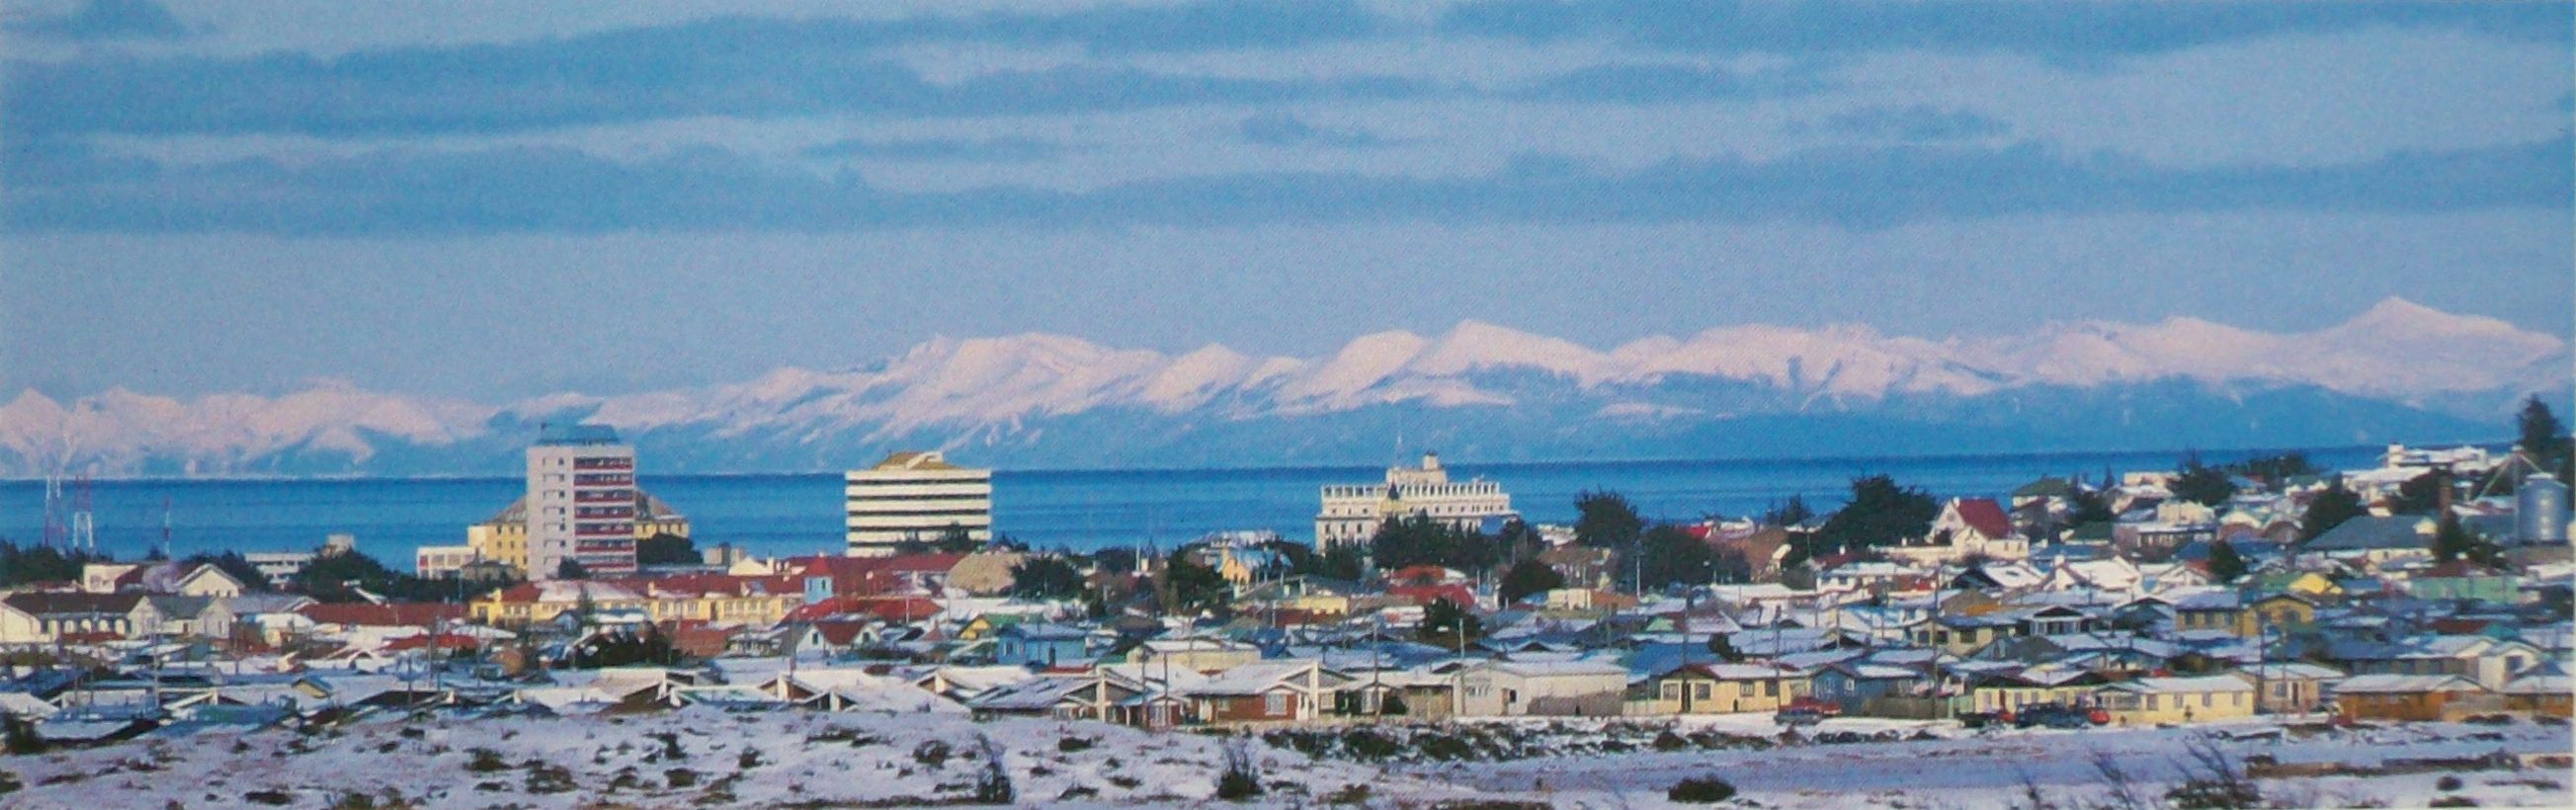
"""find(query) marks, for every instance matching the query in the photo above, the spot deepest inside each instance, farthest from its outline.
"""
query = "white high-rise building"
(915, 496)
(1352, 512)
(581, 502)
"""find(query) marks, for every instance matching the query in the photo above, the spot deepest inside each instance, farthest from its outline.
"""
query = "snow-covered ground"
(766, 759)
(777, 759)
(1959, 768)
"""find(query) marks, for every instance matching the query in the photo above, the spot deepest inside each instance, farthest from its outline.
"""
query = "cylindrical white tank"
(2540, 510)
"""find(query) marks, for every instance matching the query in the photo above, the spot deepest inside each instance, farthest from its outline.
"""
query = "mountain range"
(2396, 372)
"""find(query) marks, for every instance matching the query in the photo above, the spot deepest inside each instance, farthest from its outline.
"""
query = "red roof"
(1986, 516)
(398, 614)
(1427, 594)
(446, 641)
(840, 633)
(1422, 575)
(889, 608)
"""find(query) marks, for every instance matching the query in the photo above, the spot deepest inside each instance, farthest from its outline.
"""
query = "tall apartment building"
(581, 502)
(1352, 512)
(915, 496)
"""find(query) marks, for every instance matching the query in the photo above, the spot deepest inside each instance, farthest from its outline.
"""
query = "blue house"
(1040, 645)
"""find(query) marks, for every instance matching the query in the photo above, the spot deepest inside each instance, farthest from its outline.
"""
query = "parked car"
(1798, 716)
(2051, 715)
(1822, 707)
(1981, 719)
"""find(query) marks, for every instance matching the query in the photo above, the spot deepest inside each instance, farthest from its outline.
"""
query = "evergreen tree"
(2225, 565)
(1788, 514)
(1190, 588)
(2201, 483)
(664, 548)
(1606, 520)
(1670, 556)
(571, 568)
(1880, 513)
(1527, 578)
(2088, 505)
(2329, 509)
(2545, 439)
(1047, 578)
(2451, 541)
(1446, 625)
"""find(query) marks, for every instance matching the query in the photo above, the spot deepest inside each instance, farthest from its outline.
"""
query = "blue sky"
(496, 199)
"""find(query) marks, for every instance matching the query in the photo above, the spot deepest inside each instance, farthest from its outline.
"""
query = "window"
(1274, 703)
(2205, 700)
(1699, 691)
(1770, 688)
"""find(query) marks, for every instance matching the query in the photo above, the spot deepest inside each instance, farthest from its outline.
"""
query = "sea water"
(802, 513)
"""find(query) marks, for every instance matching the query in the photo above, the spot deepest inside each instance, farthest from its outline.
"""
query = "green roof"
(2045, 488)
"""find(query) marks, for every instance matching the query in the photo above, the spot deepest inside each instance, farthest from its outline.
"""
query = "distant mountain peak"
(1051, 396)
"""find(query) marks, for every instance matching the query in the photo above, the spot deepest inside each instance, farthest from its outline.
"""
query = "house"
(2485, 661)
(48, 618)
(2055, 683)
(2411, 697)
(2374, 540)
(2543, 689)
(1029, 644)
(1573, 688)
(209, 581)
(2218, 609)
(1722, 688)
(1264, 692)
(1853, 684)
(1060, 696)
(1195, 653)
(2178, 700)
(1967, 528)
(2464, 580)
(2281, 613)
(2292, 688)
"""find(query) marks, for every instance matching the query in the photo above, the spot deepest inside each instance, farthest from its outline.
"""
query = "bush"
(484, 760)
(1071, 744)
(993, 786)
(1241, 779)
(2447, 783)
(2452, 801)
(680, 777)
(1702, 790)
(748, 759)
(932, 753)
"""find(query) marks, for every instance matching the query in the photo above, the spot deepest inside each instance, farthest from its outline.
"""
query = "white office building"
(581, 502)
(916, 496)
(1352, 512)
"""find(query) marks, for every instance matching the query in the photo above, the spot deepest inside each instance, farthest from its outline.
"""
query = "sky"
(494, 200)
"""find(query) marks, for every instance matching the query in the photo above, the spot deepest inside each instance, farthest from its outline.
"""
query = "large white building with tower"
(1352, 512)
(916, 496)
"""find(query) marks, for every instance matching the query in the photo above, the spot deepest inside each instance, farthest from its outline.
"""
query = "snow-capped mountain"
(2399, 371)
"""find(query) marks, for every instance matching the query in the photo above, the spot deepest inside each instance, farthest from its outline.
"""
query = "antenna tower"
(84, 523)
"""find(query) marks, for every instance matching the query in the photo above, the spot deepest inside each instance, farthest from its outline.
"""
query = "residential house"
(35, 618)
(2543, 689)
(2178, 700)
(1718, 688)
(1264, 692)
(1853, 684)
(2292, 688)
(2411, 697)
(1198, 654)
(1966, 528)
(1563, 688)
(1031, 644)
(2374, 541)
(2464, 580)
(2050, 683)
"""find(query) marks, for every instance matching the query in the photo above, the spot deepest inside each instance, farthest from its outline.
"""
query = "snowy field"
(1938, 765)
(703, 757)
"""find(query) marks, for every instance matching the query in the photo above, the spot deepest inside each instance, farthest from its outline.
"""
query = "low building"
(2411, 697)
(1718, 689)
(2292, 688)
(1264, 692)
(2178, 700)
(1542, 688)
(2544, 689)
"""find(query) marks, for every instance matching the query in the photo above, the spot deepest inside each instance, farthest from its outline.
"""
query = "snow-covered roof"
(2404, 684)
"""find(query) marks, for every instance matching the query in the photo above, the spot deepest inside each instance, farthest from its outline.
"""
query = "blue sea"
(801, 513)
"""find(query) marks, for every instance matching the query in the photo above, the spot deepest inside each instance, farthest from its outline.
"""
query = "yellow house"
(2046, 683)
(504, 538)
(2178, 700)
(2310, 584)
(716, 598)
(1719, 689)
(2277, 612)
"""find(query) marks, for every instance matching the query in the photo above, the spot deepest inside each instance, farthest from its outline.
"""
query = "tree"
(2088, 505)
(1670, 556)
(1519, 541)
(2275, 470)
(2329, 509)
(2225, 565)
(1446, 625)
(339, 577)
(1047, 578)
(1422, 540)
(1188, 587)
(2545, 439)
(1880, 514)
(1606, 520)
(1527, 578)
(2201, 483)
(2421, 495)
(1723, 648)
(664, 548)
(571, 569)
(1788, 514)
(42, 564)
(2451, 541)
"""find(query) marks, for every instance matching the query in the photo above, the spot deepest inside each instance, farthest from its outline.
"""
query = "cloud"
(1921, 122)
(960, 150)
(2066, 32)
(105, 20)
(1284, 130)
(400, 193)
